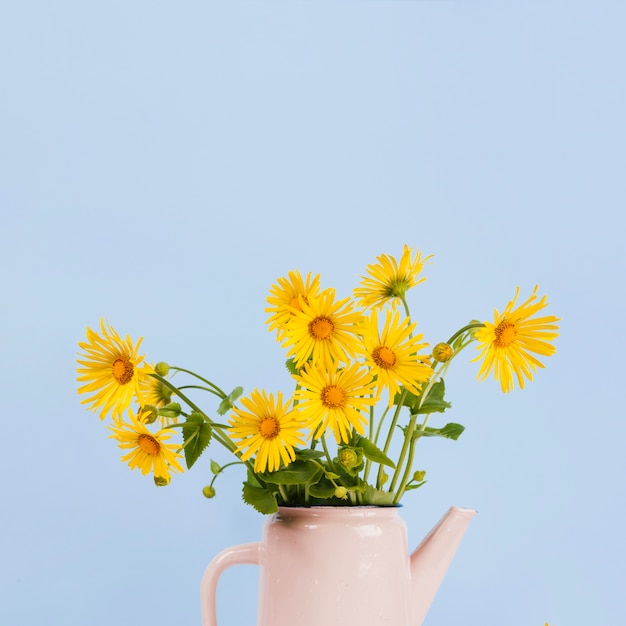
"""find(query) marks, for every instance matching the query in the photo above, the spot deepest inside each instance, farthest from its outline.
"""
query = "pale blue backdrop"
(163, 163)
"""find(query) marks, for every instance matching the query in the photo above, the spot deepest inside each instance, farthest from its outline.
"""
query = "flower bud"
(341, 492)
(349, 458)
(208, 491)
(148, 414)
(161, 481)
(162, 368)
(443, 352)
(419, 476)
(171, 410)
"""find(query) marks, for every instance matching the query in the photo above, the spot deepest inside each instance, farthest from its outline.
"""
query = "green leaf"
(371, 452)
(408, 399)
(229, 401)
(296, 473)
(196, 437)
(432, 403)
(449, 431)
(323, 490)
(377, 497)
(307, 454)
(262, 499)
(291, 367)
(216, 468)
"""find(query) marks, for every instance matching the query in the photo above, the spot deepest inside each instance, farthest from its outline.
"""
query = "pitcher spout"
(431, 559)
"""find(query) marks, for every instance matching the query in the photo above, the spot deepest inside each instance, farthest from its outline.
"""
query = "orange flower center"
(384, 357)
(333, 397)
(269, 427)
(122, 370)
(321, 328)
(505, 334)
(149, 444)
(295, 302)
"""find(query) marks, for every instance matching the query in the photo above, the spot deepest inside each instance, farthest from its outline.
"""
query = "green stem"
(203, 388)
(407, 471)
(224, 467)
(373, 439)
(436, 375)
(218, 435)
(458, 333)
(382, 419)
(408, 438)
(182, 396)
(283, 493)
(392, 428)
(204, 380)
(409, 441)
(406, 307)
(331, 465)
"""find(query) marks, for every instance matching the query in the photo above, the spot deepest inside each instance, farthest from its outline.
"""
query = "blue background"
(161, 164)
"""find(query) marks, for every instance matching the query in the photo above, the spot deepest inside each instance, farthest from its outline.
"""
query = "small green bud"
(443, 352)
(162, 368)
(341, 492)
(161, 481)
(419, 476)
(208, 491)
(349, 458)
(148, 414)
(171, 410)
(384, 478)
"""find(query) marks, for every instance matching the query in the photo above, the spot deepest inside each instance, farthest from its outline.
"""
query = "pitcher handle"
(243, 554)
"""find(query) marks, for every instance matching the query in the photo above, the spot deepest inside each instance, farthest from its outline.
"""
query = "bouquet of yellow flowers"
(361, 374)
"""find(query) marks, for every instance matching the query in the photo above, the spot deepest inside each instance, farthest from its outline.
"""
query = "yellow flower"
(392, 355)
(155, 393)
(334, 399)
(266, 428)
(509, 344)
(324, 330)
(149, 452)
(390, 280)
(110, 369)
(285, 296)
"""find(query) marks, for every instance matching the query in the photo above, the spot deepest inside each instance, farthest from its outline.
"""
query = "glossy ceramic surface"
(331, 566)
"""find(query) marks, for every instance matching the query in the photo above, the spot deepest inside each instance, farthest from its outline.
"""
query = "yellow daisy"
(323, 330)
(392, 355)
(335, 399)
(110, 369)
(266, 428)
(149, 452)
(509, 344)
(389, 280)
(285, 296)
(154, 393)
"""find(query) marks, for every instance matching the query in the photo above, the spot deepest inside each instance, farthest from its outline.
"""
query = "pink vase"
(333, 566)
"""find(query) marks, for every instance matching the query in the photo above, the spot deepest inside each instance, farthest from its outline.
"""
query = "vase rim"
(338, 511)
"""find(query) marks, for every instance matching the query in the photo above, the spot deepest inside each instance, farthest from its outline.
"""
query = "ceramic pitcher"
(331, 566)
